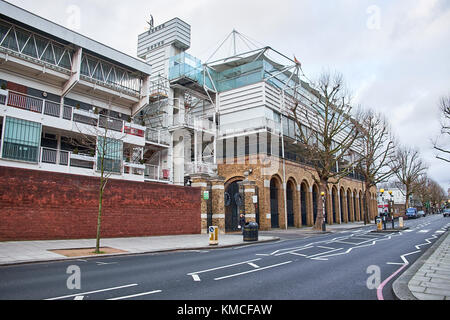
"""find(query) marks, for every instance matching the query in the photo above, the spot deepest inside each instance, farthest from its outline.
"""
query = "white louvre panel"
(159, 61)
(242, 98)
(273, 97)
(174, 32)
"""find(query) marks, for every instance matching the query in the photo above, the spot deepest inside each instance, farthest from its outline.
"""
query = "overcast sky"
(394, 54)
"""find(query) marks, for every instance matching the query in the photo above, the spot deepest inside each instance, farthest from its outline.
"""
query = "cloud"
(400, 68)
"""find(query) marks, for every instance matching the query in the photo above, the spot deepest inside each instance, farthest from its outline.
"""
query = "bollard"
(400, 222)
(213, 236)
(379, 224)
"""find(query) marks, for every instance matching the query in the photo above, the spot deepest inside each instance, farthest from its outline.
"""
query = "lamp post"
(382, 206)
(391, 208)
(324, 224)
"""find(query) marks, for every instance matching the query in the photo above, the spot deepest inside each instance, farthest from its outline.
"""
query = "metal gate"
(234, 205)
(274, 205)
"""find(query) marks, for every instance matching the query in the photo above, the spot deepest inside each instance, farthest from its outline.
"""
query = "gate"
(234, 205)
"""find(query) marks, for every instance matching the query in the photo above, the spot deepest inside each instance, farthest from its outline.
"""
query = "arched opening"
(274, 203)
(233, 201)
(290, 203)
(304, 204)
(315, 196)
(334, 201)
(355, 206)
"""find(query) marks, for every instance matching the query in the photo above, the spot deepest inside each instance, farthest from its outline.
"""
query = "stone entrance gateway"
(233, 204)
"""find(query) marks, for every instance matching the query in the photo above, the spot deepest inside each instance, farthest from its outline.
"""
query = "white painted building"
(62, 93)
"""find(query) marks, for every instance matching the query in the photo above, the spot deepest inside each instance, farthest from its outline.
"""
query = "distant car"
(421, 214)
(411, 213)
(446, 212)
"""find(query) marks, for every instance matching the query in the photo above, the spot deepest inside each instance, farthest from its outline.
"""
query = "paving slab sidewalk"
(429, 277)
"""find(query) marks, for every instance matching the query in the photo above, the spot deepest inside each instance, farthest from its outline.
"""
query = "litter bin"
(251, 231)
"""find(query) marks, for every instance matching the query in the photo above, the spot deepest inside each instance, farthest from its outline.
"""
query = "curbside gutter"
(400, 287)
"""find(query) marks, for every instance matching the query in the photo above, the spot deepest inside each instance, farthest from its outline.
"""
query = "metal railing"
(162, 137)
(57, 110)
(200, 167)
(156, 173)
(252, 125)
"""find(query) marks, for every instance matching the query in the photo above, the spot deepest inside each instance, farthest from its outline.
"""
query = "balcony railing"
(156, 173)
(66, 158)
(56, 110)
(162, 137)
(257, 124)
(200, 167)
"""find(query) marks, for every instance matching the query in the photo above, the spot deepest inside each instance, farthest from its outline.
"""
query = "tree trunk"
(99, 217)
(367, 206)
(321, 206)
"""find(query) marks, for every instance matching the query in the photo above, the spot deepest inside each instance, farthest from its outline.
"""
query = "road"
(341, 266)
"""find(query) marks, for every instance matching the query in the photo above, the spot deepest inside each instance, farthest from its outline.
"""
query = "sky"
(393, 54)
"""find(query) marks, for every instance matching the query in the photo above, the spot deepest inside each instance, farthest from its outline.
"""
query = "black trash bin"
(251, 231)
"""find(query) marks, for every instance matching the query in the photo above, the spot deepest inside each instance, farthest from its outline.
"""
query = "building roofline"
(34, 21)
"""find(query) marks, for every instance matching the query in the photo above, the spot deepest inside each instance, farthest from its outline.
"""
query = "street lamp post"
(324, 224)
(382, 210)
(391, 209)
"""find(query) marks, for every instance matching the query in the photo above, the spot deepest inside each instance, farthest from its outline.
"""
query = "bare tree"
(430, 193)
(445, 130)
(327, 134)
(102, 139)
(408, 168)
(377, 151)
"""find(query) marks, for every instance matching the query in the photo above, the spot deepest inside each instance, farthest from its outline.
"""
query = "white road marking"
(323, 253)
(424, 231)
(79, 298)
(395, 263)
(223, 267)
(254, 265)
(91, 292)
(196, 277)
(251, 271)
(136, 295)
(294, 250)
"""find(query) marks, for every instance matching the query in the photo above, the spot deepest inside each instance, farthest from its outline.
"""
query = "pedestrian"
(242, 222)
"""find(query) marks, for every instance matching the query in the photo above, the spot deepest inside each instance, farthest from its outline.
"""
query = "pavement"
(20, 252)
(429, 277)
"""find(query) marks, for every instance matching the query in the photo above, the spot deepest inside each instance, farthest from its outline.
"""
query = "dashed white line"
(254, 265)
(91, 292)
(251, 271)
(136, 295)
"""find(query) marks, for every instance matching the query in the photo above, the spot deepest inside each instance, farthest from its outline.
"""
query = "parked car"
(421, 214)
(446, 212)
(411, 213)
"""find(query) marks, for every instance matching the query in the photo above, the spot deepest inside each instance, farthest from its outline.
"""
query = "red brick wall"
(36, 205)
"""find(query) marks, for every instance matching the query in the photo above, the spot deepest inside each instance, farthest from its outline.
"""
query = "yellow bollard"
(400, 223)
(213, 236)
(379, 224)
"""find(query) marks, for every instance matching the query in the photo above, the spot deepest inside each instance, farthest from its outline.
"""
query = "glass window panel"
(22, 140)
(113, 150)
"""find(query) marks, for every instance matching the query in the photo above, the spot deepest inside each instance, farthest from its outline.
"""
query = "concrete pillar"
(201, 181)
(249, 206)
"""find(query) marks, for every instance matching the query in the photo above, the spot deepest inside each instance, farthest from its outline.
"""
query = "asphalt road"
(335, 266)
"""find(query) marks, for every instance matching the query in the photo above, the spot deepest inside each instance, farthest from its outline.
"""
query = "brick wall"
(37, 205)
